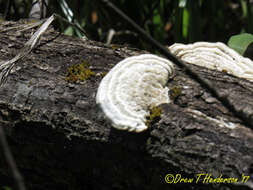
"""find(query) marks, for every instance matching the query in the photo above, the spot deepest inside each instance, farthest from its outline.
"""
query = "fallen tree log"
(60, 138)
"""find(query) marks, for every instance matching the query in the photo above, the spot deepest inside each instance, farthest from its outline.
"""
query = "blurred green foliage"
(5, 188)
(168, 21)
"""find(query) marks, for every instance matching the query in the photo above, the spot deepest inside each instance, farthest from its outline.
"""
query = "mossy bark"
(61, 140)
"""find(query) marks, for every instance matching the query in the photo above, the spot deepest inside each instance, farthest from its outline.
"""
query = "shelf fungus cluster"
(132, 88)
(216, 56)
(137, 84)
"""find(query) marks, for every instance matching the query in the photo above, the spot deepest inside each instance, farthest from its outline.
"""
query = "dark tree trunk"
(60, 139)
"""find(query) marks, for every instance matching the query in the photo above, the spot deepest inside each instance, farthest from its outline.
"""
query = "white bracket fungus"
(138, 83)
(131, 88)
(216, 56)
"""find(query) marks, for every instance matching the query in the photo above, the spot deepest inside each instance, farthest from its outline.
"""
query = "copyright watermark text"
(204, 178)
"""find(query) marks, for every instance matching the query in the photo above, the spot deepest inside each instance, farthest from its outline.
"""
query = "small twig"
(10, 161)
(113, 33)
(23, 27)
(72, 24)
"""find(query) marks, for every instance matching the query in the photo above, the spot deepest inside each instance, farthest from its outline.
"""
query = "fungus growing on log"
(132, 88)
(137, 84)
(216, 56)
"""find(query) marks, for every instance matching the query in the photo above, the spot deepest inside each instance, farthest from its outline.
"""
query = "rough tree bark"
(61, 140)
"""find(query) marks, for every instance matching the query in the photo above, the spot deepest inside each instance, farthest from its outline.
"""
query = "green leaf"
(244, 8)
(240, 42)
(185, 22)
(69, 31)
(157, 20)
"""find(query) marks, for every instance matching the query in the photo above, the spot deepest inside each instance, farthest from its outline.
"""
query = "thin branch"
(10, 161)
(72, 24)
(246, 118)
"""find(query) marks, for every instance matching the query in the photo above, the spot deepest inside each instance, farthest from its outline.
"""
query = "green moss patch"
(154, 116)
(79, 72)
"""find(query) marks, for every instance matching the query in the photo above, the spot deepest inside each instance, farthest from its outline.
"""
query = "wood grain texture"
(60, 138)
